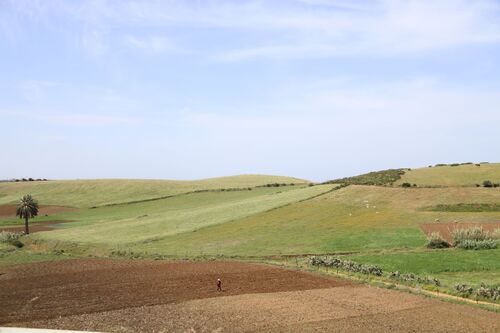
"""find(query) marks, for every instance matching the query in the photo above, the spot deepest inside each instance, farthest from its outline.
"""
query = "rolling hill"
(371, 217)
(99, 192)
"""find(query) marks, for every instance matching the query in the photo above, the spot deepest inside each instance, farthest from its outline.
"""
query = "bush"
(435, 241)
(487, 183)
(9, 237)
(345, 265)
(483, 291)
(470, 244)
(406, 185)
(476, 238)
(412, 278)
(384, 177)
(464, 289)
(474, 233)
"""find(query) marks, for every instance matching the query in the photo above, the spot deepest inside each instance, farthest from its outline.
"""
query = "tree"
(28, 208)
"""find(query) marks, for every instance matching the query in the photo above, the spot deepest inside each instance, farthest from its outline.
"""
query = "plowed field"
(157, 296)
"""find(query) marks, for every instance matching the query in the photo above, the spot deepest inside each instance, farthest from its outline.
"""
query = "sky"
(315, 89)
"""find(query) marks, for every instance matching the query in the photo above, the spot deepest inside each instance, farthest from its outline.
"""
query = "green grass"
(355, 218)
(24, 257)
(451, 266)
(462, 175)
(154, 220)
(88, 193)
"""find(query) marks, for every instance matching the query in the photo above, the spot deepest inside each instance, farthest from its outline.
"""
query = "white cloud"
(291, 29)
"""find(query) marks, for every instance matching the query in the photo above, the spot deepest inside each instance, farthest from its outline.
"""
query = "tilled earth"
(156, 296)
(446, 229)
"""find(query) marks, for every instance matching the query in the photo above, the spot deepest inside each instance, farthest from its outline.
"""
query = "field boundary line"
(395, 286)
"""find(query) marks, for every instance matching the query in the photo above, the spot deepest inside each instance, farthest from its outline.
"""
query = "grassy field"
(451, 266)
(370, 224)
(88, 193)
(462, 175)
(354, 218)
(154, 220)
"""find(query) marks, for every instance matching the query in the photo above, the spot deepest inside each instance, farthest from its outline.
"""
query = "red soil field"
(158, 296)
(10, 210)
(47, 290)
(446, 229)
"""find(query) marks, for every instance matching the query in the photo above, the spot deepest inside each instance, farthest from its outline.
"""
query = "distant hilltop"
(14, 180)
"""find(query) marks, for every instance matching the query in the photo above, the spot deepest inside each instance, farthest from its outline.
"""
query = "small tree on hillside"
(28, 208)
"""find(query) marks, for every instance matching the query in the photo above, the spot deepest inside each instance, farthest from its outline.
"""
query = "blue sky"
(317, 89)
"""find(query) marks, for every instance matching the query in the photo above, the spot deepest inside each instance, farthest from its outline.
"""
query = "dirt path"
(154, 296)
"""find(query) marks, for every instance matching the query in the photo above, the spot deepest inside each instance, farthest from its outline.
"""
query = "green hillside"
(354, 218)
(459, 175)
(88, 193)
(152, 220)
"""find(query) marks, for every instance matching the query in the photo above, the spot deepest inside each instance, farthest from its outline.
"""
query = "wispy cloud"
(293, 29)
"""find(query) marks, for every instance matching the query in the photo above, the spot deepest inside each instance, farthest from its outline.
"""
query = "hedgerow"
(410, 277)
(345, 265)
(491, 293)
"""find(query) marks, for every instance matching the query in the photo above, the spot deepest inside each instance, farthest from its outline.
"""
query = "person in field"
(219, 285)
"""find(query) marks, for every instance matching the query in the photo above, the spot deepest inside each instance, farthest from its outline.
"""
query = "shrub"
(406, 185)
(464, 289)
(474, 233)
(483, 291)
(487, 183)
(345, 265)
(486, 244)
(9, 237)
(412, 278)
(435, 241)
(476, 238)
(384, 177)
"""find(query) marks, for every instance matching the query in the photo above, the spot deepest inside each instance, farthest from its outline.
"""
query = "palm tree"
(28, 208)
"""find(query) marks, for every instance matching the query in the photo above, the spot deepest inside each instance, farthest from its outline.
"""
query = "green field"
(366, 223)
(154, 220)
(462, 175)
(88, 193)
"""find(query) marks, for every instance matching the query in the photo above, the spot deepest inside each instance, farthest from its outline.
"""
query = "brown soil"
(10, 210)
(153, 296)
(52, 289)
(446, 229)
(34, 227)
